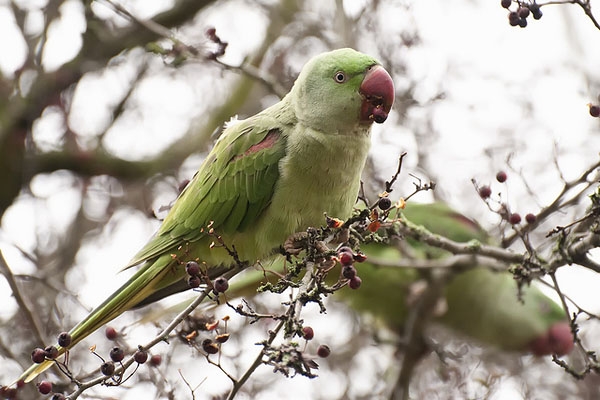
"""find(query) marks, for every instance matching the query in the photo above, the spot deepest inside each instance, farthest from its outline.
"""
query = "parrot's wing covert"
(233, 186)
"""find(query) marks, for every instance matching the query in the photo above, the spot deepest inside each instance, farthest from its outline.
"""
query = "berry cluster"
(519, 16)
(485, 192)
(347, 258)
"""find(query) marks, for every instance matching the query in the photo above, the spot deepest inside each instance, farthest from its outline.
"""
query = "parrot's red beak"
(377, 90)
(556, 340)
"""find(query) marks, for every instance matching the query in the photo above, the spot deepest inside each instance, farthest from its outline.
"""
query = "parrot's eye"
(340, 77)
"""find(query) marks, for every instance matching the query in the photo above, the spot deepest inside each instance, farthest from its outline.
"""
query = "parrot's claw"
(295, 243)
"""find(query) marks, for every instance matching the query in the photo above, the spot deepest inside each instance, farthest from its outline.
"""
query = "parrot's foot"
(295, 243)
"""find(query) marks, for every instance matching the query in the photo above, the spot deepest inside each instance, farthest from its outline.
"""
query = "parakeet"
(267, 177)
(480, 303)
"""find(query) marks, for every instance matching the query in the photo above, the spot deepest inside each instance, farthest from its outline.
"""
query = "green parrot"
(480, 303)
(266, 178)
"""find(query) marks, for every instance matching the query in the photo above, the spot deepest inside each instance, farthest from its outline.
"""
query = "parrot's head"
(342, 89)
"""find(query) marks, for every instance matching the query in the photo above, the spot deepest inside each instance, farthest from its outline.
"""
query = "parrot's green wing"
(231, 189)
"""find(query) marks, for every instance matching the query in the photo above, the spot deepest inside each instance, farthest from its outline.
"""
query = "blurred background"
(103, 114)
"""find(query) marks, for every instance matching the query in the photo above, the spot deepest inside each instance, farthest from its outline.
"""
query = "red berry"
(140, 356)
(346, 258)
(221, 284)
(38, 355)
(514, 218)
(355, 282)
(505, 3)
(117, 354)
(501, 176)
(530, 218)
(485, 192)
(308, 333)
(44, 387)
(594, 110)
(64, 339)
(348, 271)
(20, 383)
(51, 352)
(155, 360)
(9, 393)
(107, 368)
(513, 18)
(111, 333)
(323, 351)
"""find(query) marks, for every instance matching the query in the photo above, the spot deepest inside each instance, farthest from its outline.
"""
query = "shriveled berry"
(501, 176)
(594, 110)
(221, 284)
(308, 333)
(384, 203)
(192, 268)
(355, 282)
(222, 338)
(348, 271)
(155, 360)
(523, 12)
(323, 351)
(514, 218)
(117, 354)
(107, 368)
(110, 333)
(505, 3)
(51, 352)
(530, 218)
(140, 356)
(194, 281)
(513, 18)
(360, 257)
(485, 192)
(64, 339)
(38, 355)
(58, 396)
(209, 346)
(346, 258)
(44, 387)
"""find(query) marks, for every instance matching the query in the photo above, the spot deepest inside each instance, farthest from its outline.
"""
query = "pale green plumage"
(267, 177)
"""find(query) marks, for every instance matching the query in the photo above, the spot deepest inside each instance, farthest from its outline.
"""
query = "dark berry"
(192, 268)
(348, 271)
(485, 192)
(501, 176)
(355, 282)
(513, 18)
(58, 396)
(323, 351)
(140, 356)
(522, 22)
(117, 354)
(384, 203)
(111, 333)
(107, 368)
(514, 218)
(523, 12)
(505, 3)
(535, 11)
(346, 258)
(594, 110)
(44, 387)
(222, 338)
(51, 352)
(221, 284)
(38, 355)
(530, 218)
(360, 257)
(308, 333)
(64, 339)
(194, 281)
(155, 360)
(209, 346)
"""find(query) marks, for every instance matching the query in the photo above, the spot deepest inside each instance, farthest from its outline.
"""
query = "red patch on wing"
(266, 143)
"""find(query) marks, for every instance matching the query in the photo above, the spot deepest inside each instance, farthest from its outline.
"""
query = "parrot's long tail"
(150, 278)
